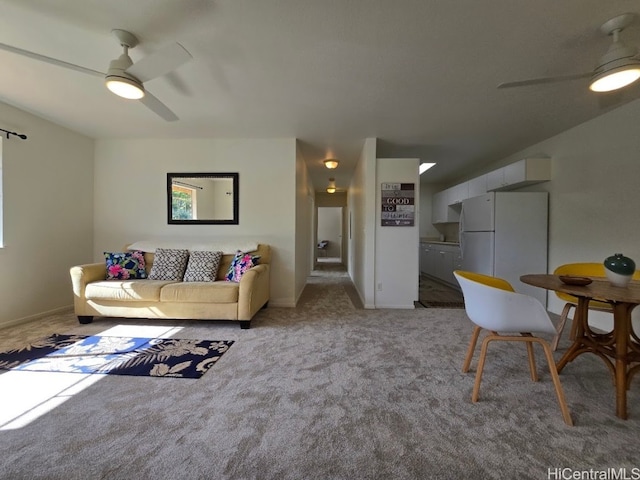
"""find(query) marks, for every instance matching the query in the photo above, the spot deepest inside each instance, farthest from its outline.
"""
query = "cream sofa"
(144, 298)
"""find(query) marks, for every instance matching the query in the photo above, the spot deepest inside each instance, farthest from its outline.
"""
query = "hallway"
(329, 275)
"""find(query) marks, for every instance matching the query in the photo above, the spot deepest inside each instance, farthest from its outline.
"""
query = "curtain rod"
(176, 182)
(20, 135)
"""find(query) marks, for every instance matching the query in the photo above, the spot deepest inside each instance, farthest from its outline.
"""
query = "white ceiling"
(420, 75)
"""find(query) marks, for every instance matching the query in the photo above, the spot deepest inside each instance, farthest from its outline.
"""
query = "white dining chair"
(507, 316)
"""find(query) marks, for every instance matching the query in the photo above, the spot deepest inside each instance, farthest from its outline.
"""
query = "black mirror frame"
(236, 196)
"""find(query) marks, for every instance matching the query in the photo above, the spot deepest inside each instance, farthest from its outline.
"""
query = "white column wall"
(397, 249)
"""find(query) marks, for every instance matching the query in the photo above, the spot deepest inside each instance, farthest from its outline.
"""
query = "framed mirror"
(202, 198)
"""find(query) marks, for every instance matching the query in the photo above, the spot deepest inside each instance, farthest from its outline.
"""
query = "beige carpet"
(326, 391)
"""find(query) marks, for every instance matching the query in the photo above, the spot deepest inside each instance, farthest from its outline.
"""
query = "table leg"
(621, 323)
(581, 317)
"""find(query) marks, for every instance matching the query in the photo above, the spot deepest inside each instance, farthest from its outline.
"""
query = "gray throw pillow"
(202, 266)
(169, 264)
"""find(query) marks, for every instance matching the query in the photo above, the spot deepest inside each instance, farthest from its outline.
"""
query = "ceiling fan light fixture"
(616, 77)
(331, 163)
(125, 87)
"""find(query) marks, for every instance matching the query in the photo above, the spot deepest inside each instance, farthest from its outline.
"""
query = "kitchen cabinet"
(427, 258)
(443, 209)
(477, 186)
(439, 260)
(424, 249)
(439, 207)
(445, 205)
(524, 172)
(457, 193)
(444, 265)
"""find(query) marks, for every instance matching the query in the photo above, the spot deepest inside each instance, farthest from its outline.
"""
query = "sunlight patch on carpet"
(156, 357)
(27, 395)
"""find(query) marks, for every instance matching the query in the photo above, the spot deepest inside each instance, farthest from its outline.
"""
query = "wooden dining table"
(619, 348)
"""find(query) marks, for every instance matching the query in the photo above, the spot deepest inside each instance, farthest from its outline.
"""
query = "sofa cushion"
(240, 264)
(202, 266)
(125, 290)
(200, 292)
(125, 265)
(169, 264)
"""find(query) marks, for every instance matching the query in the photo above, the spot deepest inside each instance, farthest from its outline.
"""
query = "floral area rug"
(155, 357)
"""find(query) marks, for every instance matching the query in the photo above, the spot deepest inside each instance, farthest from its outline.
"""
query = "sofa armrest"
(81, 275)
(253, 291)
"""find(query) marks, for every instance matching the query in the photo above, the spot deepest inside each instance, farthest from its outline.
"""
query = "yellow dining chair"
(586, 269)
(492, 304)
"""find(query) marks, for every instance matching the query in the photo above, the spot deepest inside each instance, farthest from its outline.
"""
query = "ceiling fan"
(125, 78)
(617, 68)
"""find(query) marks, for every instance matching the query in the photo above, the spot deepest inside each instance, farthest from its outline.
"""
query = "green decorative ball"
(620, 264)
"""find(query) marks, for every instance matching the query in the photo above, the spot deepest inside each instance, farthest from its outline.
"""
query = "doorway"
(329, 236)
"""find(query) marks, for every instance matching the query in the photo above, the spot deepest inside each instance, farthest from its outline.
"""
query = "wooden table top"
(600, 288)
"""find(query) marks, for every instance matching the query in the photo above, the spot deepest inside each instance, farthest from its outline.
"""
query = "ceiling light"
(119, 81)
(616, 77)
(331, 163)
(425, 166)
(332, 186)
(124, 87)
(618, 67)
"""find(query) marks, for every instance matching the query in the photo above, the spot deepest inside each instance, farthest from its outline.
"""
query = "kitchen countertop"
(439, 243)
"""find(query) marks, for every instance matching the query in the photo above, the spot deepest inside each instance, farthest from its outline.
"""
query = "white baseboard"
(37, 316)
(281, 304)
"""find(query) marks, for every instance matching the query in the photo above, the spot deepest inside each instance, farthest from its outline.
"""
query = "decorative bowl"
(571, 280)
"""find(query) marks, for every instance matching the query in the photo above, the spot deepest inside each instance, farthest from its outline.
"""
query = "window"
(183, 203)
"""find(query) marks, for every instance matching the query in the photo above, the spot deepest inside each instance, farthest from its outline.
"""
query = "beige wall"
(594, 199)
(362, 215)
(304, 224)
(130, 196)
(48, 226)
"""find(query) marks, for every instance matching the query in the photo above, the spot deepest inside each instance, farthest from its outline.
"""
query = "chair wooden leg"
(470, 350)
(532, 360)
(556, 382)
(552, 369)
(483, 355)
(560, 328)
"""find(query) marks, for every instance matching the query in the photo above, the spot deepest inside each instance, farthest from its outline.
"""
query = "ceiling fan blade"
(159, 108)
(539, 81)
(159, 63)
(52, 61)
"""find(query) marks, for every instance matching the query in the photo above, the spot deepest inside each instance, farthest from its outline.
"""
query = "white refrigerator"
(504, 234)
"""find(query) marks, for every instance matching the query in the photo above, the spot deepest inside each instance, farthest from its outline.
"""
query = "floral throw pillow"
(202, 266)
(169, 264)
(125, 265)
(240, 264)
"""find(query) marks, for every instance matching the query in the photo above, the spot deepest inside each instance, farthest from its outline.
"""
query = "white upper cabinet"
(439, 207)
(519, 174)
(477, 186)
(443, 208)
(457, 193)
(445, 205)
